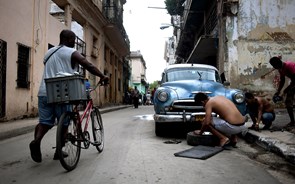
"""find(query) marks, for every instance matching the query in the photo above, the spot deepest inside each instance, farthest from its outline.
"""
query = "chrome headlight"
(162, 96)
(239, 97)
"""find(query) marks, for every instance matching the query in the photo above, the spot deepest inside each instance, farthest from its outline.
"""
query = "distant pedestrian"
(153, 95)
(140, 99)
(148, 99)
(135, 97)
(286, 69)
(127, 98)
(260, 109)
(144, 99)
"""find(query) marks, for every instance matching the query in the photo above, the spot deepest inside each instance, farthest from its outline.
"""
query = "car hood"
(186, 89)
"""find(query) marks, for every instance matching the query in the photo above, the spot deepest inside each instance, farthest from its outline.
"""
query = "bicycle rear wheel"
(68, 141)
(97, 129)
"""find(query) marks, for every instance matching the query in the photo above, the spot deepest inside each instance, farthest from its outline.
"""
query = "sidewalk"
(17, 127)
(279, 141)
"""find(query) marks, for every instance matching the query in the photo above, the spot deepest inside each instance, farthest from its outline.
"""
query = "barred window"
(23, 66)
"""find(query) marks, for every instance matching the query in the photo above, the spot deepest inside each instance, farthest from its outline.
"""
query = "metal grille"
(23, 66)
(3, 61)
(80, 46)
(186, 105)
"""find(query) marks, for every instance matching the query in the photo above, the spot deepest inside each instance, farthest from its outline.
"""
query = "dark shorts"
(290, 97)
(49, 113)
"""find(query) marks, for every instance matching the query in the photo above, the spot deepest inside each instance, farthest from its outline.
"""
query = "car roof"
(190, 65)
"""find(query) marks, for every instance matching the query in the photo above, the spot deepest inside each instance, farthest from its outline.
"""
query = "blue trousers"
(267, 117)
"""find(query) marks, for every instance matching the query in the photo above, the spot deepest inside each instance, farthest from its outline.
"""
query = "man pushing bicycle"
(60, 59)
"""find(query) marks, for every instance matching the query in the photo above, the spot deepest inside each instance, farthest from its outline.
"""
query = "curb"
(16, 132)
(115, 108)
(273, 145)
(26, 129)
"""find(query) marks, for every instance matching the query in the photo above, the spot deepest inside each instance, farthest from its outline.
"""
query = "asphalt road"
(134, 155)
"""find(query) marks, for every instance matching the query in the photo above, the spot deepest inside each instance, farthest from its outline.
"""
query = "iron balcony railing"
(114, 14)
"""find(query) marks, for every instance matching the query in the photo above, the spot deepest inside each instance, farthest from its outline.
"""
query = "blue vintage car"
(174, 99)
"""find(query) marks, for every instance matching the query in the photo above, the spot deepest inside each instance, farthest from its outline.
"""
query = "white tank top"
(59, 62)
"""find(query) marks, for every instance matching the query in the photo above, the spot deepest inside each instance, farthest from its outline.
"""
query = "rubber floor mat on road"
(199, 152)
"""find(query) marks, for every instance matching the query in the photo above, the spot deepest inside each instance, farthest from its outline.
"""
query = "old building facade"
(138, 74)
(30, 27)
(238, 37)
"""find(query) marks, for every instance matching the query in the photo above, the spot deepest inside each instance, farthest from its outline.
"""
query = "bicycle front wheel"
(68, 141)
(97, 129)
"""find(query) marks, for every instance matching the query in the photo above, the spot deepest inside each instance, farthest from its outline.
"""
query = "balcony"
(199, 22)
(143, 80)
(115, 30)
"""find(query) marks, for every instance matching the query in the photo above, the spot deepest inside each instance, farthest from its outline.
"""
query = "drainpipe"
(32, 58)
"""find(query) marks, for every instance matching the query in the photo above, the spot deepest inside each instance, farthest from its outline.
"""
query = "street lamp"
(166, 26)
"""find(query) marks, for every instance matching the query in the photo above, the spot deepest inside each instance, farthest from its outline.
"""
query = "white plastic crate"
(65, 89)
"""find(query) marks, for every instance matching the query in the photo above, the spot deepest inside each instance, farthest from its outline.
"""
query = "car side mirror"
(226, 83)
(223, 79)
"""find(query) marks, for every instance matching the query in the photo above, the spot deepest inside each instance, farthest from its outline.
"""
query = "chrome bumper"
(162, 118)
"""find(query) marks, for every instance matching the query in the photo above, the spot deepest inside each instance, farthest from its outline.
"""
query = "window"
(119, 84)
(105, 53)
(116, 61)
(94, 51)
(23, 66)
(3, 64)
(192, 74)
(112, 58)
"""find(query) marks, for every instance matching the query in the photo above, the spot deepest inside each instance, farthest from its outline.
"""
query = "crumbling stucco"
(254, 62)
(262, 29)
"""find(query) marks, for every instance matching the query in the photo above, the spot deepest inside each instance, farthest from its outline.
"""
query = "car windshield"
(192, 74)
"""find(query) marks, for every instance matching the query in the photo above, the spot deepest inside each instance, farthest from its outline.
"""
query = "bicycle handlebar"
(100, 83)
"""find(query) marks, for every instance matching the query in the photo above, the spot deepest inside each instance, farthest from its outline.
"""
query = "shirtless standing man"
(260, 109)
(229, 123)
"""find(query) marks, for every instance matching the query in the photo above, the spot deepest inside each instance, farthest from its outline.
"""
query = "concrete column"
(68, 16)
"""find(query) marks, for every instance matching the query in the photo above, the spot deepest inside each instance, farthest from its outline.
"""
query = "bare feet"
(197, 132)
(254, 127)
(224, 142)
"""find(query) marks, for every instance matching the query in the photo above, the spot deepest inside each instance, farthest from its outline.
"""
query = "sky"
(142, 23)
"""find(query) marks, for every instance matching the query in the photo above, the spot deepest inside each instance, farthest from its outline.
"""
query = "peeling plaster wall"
(261, 29)
(253, 63)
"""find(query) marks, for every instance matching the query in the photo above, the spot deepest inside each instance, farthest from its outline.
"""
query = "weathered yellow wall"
(29, 23)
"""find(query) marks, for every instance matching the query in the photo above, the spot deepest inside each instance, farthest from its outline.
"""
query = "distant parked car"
(174, 99)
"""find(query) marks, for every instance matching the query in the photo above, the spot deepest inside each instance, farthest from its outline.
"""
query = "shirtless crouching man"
(229, 123)
(260, 109)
